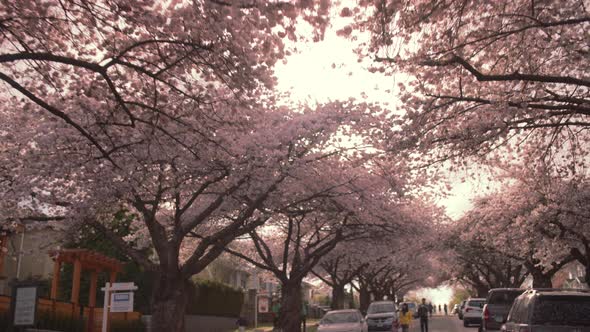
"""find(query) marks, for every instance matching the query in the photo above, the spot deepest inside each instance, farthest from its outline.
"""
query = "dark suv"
(382, 316)
(550, 310)
(498, 304)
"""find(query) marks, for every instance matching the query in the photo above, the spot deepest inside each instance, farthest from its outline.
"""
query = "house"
(25, 255)
(570, 276)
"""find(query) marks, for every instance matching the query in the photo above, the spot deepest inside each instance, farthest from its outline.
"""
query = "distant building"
(571, 276)
(26, 255)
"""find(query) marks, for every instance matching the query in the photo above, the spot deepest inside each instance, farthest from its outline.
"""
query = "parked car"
(472, 311)
(350, 320)
(461, 307)
(550, 310)
(382, 316)
(498, 304)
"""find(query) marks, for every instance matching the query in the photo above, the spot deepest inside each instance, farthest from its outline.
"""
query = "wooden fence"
(71, 310)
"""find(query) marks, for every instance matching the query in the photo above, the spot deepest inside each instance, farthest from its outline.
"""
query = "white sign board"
(25, 306)
(122, 302)
(263, 304)
(123, 286)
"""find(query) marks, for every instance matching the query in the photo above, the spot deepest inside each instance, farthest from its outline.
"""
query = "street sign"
(25, 306)
(122, 302)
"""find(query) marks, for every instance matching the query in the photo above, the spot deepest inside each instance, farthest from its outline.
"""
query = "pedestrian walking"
(446, 309)
(405, 318)
(422, 314)
(439, 309)
(276, 309)
(242, 323)
(304, 317)
(430, 308)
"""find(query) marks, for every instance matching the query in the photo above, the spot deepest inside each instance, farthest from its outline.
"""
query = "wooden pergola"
(3, 244)
(83, 259)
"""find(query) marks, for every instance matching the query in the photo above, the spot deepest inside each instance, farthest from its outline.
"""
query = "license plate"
(499, 319)
(379, 324)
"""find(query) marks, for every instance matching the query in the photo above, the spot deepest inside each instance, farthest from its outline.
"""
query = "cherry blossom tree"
(483, 74)
(163, 108)
(481, 268)
(354, 205)
(546, 215)
(340, 267)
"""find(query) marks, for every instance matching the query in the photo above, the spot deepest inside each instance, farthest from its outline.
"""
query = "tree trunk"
(364, 298)
(482, 291)
(338, 297)
(541, 280)
(291, 303)
(169, 301)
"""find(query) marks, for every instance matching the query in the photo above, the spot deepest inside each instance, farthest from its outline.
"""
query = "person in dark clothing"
(422, 314)
(242, 323)
(430, 308)
(446, 309)
(439, 309)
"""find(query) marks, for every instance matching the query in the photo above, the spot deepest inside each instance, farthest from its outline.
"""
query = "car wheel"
(465, 323)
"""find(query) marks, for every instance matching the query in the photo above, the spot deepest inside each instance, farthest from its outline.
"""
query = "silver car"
(550, 310)
(343, 321)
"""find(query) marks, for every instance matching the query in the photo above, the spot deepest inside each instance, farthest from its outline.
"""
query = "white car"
(350, 320)
(473, 311)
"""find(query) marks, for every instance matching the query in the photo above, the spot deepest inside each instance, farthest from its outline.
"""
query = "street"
(443, 324)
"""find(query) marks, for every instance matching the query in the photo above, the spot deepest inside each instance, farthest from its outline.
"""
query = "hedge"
(215, 299)
(48, 321)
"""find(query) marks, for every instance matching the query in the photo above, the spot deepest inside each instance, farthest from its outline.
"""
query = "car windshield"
(340, 318)
(504, 297)
(562, 310)
(476, 303)
(377, 308)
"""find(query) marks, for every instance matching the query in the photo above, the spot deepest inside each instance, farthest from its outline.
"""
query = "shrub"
(215, 299)
(128, 326)
(55, 322)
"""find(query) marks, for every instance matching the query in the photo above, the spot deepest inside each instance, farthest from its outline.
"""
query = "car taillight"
(486, 314)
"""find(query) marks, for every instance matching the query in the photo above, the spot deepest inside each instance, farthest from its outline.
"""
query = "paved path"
(443, 324)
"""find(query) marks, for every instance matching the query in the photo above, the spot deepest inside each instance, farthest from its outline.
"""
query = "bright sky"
(440, 295)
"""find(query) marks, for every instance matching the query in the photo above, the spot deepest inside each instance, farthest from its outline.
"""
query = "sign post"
(117, 302)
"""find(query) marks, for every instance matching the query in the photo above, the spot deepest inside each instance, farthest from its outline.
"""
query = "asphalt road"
(443, 324)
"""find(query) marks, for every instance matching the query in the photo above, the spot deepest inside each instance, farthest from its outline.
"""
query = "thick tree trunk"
(338, 297)
(378, 296)
(291, 303)
(541, 280)
(482, 291)
(364, 298)
(169, 301)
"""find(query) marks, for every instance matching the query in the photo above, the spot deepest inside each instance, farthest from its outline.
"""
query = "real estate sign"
(25, 306)
(122, 302)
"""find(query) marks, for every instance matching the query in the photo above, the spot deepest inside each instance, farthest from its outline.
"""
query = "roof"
(91, 260)
(507, 289)
(563, 293)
